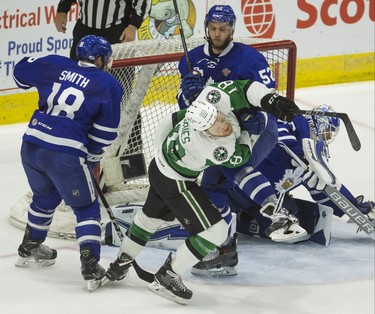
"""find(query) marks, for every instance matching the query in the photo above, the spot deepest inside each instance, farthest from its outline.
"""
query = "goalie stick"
(141, 273)
(353, 137)
(340, 200)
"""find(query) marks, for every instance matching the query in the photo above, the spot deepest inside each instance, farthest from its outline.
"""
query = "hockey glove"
(191, 86)
(279, 106)
(367, 208)
(254, 124)
(93, 159)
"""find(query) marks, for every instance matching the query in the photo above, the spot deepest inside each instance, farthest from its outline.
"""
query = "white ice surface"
(272, 278)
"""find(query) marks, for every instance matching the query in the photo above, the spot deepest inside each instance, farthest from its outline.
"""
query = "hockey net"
(148, 73)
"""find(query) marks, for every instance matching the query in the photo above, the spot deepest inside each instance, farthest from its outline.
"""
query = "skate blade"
(94, 284)
(27, 261)
(165, 293)
(215, 272)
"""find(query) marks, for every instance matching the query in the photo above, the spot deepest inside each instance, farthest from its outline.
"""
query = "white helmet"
(201, 115)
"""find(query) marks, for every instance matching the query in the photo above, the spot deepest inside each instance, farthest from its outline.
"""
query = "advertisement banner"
(320, 28)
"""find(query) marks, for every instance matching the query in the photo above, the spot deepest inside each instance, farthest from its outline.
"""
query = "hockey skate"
(119, 268)
(31, 251)
(284, 227)
(91, 270)
(169, 285)
(220, 262)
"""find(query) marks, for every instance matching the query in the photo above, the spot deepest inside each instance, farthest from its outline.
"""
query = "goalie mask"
(324, 128)
(201, 115)
(92, 47)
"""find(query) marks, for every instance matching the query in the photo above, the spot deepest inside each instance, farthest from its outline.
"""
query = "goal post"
(148, 72)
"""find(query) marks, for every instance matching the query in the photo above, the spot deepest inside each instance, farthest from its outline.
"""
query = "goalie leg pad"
(322, 231)
(170, 235)
(124, 215)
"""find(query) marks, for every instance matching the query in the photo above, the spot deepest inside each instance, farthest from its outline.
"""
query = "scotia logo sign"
(259, 17)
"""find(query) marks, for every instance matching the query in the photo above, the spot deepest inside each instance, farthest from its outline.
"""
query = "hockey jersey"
(79, 104)
(230, 96)
(181, 152)
(237, 62)
(278, 164)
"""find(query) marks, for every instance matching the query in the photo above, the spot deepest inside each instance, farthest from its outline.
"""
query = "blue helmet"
(220, 14)
(92, 47)
(325, 128)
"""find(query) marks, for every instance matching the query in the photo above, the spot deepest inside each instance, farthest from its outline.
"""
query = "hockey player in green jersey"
(186, 143)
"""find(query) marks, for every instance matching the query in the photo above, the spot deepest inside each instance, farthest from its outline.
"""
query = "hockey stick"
(352, 211)
(142, 274)
(340, 200)
(353, 137)
(182, 34)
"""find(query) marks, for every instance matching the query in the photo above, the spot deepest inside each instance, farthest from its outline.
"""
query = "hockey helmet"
(324, 127)
(92, 47)
(220, 14)
(201, 115)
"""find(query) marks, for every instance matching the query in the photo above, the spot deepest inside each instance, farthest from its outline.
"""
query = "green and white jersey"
(234, 95)
(181, 152)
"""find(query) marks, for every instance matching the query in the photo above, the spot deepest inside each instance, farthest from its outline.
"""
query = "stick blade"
(352, 134)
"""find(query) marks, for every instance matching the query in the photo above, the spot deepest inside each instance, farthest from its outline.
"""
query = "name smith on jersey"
(74, 77)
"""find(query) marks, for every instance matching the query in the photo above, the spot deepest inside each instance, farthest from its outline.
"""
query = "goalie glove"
(318, 175)
(191, 86)
(279, 106)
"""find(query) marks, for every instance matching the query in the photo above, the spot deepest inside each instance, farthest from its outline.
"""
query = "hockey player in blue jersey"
(279, 174)
(220, 58)
(78, 115)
